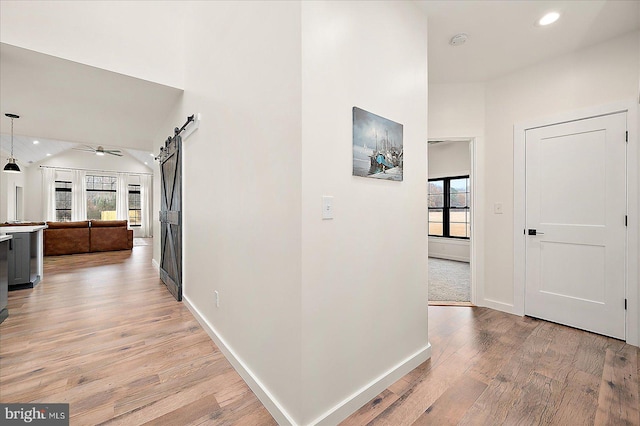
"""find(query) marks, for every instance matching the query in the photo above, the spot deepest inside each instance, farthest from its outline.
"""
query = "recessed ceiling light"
(548, 19)
(151, 155)
(36, 142)
(146, 164)
(48, 155)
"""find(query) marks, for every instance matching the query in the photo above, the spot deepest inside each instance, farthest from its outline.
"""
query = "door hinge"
(625, 304)
(626, 136)
(625, 220)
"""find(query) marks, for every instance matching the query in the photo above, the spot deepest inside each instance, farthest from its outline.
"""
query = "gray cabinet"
(23, 260)
(4, 279)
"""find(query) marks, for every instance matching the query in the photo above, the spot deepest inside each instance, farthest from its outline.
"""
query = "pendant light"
(12, 166)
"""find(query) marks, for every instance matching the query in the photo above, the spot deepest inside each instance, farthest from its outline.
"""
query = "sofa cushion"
(109, 238)
(72, 240)
(108, 223)
(64, 225)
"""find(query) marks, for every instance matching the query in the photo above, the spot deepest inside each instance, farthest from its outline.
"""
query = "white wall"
(456, 110)
(72, 159)
(446, 159)
(137, 38)
(242, 180)
(364, 273)
(598, 75)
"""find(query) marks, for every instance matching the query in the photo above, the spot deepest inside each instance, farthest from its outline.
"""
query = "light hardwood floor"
(102, 333)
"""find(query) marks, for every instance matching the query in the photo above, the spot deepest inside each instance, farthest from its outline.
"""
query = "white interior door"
(576, 203)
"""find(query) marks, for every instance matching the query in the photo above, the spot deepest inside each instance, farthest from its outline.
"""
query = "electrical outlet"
(217, 298)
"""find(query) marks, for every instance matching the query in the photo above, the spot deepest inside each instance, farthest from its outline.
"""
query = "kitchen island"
(25, 259)
(4, 283)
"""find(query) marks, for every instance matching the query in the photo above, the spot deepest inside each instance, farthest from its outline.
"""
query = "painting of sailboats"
(377, 146)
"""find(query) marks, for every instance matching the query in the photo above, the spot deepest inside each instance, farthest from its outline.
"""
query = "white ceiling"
(64, 103)
(29, 153)
(503, 37)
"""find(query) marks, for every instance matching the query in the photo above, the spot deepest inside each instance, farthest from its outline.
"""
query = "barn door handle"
(534, 232)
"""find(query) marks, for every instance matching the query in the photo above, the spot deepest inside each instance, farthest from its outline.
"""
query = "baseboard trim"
(499, 306)
(449, 257)
(332, 416)
(155, 264)
(277, 411)
(363, 395)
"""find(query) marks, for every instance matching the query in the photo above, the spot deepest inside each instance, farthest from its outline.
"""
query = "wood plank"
(579, 399)
(453, 404)
(117, 347)
(187, 413)
(618, 398)
(373, 408)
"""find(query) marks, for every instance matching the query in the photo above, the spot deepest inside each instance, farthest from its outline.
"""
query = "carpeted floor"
(142, 242)
(449, 280)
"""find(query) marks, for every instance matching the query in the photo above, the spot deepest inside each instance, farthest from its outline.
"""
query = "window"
(449, 207)
(63, 201)
(101, 197)
(135, 213)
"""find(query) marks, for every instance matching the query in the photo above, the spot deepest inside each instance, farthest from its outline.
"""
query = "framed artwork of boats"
(377, 146)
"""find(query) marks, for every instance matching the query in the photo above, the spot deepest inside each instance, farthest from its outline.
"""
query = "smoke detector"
(458, 39)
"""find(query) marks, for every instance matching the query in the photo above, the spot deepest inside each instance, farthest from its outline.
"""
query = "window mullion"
(445, 210)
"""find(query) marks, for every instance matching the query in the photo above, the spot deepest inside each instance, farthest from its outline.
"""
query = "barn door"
(171, 215)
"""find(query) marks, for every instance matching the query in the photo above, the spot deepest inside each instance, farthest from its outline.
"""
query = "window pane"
(101, 205)
(458, 199)
(435, 229)
(436, 200)
(63, 200)
(435, 222)
(63, 215)
(458, 223)
(459, 185)
(436, 187)
(134, 205)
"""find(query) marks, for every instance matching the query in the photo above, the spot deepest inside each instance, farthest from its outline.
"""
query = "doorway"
(19, 204)
(450, 200)
(575, 247)
(575, 216)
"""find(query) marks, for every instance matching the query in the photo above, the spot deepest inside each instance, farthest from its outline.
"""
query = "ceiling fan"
(100, 150)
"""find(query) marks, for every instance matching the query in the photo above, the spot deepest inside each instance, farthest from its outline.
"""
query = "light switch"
(327, 207)
(497, 208)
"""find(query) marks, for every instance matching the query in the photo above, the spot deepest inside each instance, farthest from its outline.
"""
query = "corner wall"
(364, 273)
(300, 298)
(242, 181)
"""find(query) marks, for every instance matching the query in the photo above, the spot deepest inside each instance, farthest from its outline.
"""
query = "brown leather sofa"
(86, 236)
(109, 235)
(66, 238)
